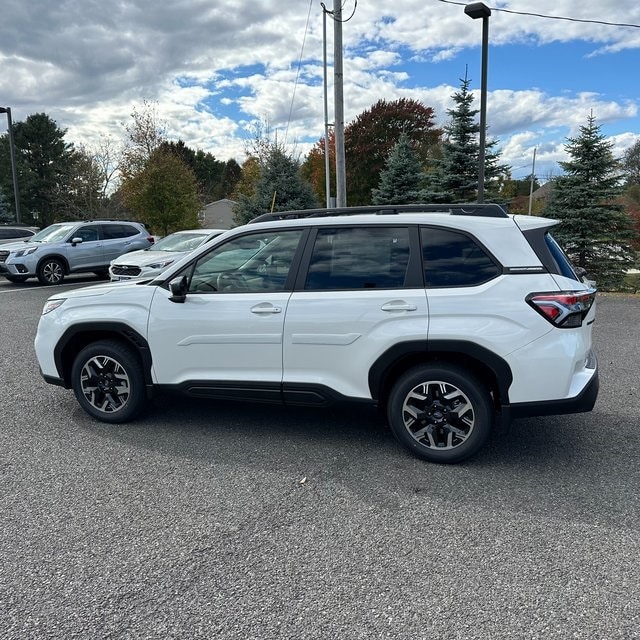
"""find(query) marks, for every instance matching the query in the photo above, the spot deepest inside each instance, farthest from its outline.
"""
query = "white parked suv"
(150, 262)
(444, 316)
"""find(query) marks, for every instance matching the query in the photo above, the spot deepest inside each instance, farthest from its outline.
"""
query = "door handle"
(265, 308)
(398, 305)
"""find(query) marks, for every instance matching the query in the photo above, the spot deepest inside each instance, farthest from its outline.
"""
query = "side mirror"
(75, 241)
(581, 272)
(178, 287)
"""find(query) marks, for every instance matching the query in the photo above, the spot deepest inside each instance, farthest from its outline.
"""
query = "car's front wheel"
(51, 271)
(440, 412)
(108, 381)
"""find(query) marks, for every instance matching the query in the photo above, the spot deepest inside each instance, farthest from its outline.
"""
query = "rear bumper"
(582, 403)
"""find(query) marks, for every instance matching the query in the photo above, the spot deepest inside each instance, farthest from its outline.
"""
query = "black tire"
(51, 271)
(103, 274)
(440, 412)
(108, 380)
(16, 279)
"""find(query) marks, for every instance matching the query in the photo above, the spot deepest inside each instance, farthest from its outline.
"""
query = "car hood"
(143, 257)
(102, 290)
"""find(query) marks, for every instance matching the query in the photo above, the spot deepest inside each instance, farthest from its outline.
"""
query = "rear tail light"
(564, 309)
(151, 239)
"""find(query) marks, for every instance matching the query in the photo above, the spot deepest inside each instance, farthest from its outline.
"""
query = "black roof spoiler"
(468, 209)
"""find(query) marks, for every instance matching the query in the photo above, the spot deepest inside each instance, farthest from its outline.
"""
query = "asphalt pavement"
(232, 521)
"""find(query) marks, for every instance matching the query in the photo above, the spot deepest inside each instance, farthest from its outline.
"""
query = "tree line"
(394, 154)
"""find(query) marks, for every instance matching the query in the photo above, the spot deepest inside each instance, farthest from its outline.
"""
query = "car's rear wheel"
(440, 412)
(108, 381)
(51, 271)
(16, 279)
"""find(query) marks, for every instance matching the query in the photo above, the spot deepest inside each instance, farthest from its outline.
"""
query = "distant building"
(543, 193)
(218, 215)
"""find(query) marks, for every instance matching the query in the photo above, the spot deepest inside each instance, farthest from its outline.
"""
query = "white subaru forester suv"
(445, 316)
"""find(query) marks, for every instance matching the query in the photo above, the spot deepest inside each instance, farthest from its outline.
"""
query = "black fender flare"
(404, 354)
(79, 335)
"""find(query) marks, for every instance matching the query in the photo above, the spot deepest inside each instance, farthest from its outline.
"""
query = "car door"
(87, 254)
(362, 290)
(226, 336)
(119, 239)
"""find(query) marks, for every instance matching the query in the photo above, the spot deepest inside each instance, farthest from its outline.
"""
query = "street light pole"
(475, 11)
(12, 152)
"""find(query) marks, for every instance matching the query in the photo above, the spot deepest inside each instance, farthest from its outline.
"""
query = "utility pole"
(12, 153)
(533, 177)
(338, 94)
(327, 160)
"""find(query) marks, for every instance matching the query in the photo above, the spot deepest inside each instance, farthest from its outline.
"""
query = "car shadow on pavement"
(536, 466)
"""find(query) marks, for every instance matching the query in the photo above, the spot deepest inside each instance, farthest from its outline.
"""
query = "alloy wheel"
(438, 415)
(105, 384)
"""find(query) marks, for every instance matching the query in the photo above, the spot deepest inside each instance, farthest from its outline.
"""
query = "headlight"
(160, 265)
(26, 252)
(52, 305)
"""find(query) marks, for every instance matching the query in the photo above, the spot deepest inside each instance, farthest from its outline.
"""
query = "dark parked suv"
(15, 232)
(71, 247)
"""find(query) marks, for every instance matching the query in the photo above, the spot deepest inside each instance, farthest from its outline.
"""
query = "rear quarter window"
(564, 265)
(453, 259)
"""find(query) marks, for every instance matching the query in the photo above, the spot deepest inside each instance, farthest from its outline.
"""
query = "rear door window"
(113, 231)
(359, 258)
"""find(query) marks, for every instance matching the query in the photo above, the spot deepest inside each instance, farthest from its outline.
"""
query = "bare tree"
(144, 136)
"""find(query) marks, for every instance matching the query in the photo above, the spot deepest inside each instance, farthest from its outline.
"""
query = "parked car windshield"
(53, 233)
(179, 241)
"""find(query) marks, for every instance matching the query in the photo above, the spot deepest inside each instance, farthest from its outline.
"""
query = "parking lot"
(215, 520)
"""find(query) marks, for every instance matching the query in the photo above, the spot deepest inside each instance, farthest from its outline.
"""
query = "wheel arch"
(55, 256)
(486, 365)
(79, 336)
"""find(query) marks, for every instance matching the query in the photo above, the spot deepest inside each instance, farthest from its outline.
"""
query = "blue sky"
(213, 68)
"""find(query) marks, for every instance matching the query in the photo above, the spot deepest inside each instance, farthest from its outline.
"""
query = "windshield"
(53, 233)
(180, 242)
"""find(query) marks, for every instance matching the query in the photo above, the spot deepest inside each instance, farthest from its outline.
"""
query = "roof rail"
(467, 209)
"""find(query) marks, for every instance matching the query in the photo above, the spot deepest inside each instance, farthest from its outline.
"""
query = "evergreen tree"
(280, 187)
(43, 164)
(6, 215)
(402, 177)
(231, 175)
(595, 231)
(455, 174)
(207, 170)
(631, 164)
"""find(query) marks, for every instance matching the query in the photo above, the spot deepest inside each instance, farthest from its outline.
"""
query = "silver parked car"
(71, 247)
(149, 262)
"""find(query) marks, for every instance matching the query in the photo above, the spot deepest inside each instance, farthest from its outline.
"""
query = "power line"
(295, 84)
(541, 15)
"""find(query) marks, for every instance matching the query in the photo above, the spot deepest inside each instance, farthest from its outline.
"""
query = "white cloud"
(87, 64)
